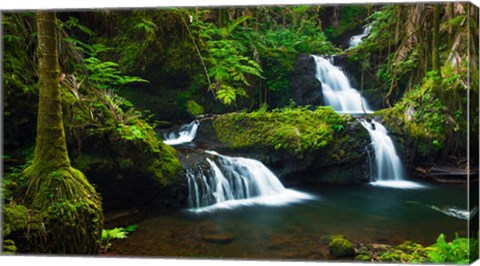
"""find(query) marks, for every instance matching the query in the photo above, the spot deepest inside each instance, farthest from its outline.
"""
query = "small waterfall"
(336, 88)
(235, 181)
(357, 39)
(388, 169)
(186, 134)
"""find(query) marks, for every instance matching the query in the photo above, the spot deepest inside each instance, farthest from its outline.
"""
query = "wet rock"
(306, 89)
(343, 161)
(341, 247)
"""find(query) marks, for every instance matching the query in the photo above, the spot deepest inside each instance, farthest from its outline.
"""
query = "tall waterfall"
(186, 134)
(336, 88)
(388, 168)
(235, 181)
(357, 39)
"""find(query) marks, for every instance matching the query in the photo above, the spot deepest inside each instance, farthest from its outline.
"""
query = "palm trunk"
(51, 147)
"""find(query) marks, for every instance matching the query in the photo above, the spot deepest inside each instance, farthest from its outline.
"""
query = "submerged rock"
(211, 232)
(219, 238)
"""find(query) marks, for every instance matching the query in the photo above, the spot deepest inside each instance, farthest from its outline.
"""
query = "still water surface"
(363, 213)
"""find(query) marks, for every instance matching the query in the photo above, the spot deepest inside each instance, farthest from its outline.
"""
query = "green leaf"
(131, 228)
(226, 94)
(116, 233)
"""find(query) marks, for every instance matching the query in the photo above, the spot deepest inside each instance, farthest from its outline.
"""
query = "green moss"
(69, 209)
(166, 170)
(15, 218)
(408, 251)
(194, 108)
(459, 251)
(122, 141)
(296, 130)
(433, 114)
(146, 151)
(363, 257)
(341, 247)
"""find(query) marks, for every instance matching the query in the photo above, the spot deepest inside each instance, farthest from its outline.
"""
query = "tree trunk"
(60, 196)
(51, 147)
(436, 39)
(335, 18)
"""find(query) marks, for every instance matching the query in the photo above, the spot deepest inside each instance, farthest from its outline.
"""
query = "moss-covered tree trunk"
(56, 193)
(51, 148)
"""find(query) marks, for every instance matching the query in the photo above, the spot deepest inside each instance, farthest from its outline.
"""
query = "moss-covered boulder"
(300, 144)
(341, 247)
(120, 152)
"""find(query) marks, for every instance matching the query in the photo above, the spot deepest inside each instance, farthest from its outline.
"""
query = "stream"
(363, 213)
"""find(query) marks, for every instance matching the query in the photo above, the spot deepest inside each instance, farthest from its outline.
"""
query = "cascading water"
(186, 134)
(337, 92)
(336, 88)
(388, 169)
(357, 39)
(235, 181)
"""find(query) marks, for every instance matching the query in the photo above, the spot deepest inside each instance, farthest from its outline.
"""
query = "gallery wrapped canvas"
(319, 132)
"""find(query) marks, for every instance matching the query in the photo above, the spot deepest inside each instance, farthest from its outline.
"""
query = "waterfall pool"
(363, 213)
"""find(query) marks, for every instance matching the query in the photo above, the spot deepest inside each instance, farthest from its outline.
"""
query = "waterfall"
(388, 169)
(336, 88)
(186, 134)
(235, 181)
(357, 39)
(388, 164)
(337, 92)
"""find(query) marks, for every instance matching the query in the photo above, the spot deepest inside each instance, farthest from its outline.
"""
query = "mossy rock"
(120, 152)
(292, 130)
(298, 142)
(341, 247)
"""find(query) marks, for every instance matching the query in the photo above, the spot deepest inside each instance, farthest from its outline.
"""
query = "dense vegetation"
(123, 74)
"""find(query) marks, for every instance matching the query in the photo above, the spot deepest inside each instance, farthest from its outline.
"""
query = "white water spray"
(388, 169)
(186, 134)
(336, 88)
(235, 181)
(357, 39)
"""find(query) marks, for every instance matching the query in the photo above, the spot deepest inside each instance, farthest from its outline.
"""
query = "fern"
(457, 251)
(115, 233)
(229, 70)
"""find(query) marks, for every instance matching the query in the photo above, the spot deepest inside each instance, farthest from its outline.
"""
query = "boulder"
(341, 247)
(301, 146)
(120, 154)
(306, 89)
